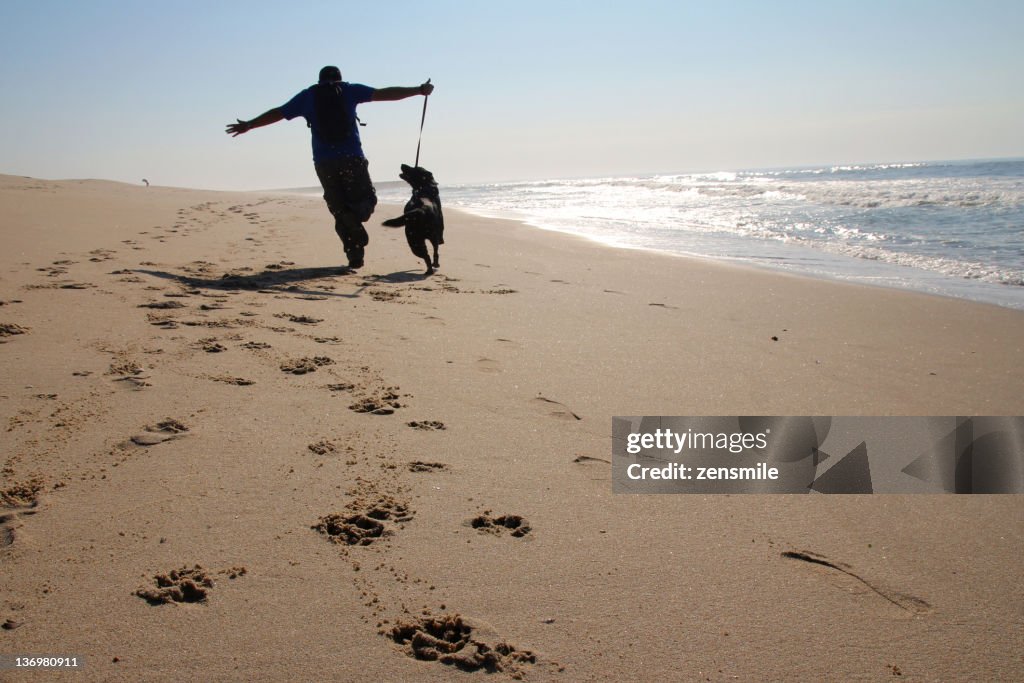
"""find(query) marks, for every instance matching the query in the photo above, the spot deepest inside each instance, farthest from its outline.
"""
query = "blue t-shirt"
(304, 105)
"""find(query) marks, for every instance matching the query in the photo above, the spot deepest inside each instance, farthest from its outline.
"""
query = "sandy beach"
(225, 458)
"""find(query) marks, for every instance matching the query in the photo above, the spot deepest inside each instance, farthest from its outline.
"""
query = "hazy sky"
(525, 90)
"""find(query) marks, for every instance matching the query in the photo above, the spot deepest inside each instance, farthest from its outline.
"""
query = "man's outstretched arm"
(265, 119)
(399, 93)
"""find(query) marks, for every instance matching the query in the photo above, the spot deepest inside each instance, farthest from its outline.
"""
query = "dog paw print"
(179, 585)
(302, 366)
(364, 522)
(16, 501)
(382, 402)
(426, 425)
(514, 525)
(187, 584)
(420, 466)
(454, 640)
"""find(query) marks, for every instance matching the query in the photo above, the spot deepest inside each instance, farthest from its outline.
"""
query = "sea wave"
(963, 221)
(860, 194)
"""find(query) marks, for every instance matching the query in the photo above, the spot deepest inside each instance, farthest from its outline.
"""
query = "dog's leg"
(437, 262)
(418, 246)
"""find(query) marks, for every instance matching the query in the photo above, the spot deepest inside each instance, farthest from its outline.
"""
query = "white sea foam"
(949, 223)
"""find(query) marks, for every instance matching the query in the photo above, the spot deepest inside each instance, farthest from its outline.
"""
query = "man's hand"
(236, 129)
(265, 119)
(399, 93)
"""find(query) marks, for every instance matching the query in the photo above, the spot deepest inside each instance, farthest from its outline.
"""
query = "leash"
(422, 119)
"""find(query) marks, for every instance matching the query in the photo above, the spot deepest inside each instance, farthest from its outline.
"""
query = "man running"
(329, 108)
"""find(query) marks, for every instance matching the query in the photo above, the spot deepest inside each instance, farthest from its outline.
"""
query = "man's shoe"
(355, 258)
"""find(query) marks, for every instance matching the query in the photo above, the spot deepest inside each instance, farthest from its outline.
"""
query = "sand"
(226, 459)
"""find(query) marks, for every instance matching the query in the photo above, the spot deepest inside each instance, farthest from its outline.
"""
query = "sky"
(525, 90)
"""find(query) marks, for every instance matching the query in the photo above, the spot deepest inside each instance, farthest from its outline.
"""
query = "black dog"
(422, 219)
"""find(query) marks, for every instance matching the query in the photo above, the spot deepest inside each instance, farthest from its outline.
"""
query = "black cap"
(330, 74)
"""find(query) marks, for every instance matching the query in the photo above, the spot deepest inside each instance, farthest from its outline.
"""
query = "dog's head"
(417, 176)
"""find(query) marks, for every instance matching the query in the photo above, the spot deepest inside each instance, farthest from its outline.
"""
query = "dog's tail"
(395, 222)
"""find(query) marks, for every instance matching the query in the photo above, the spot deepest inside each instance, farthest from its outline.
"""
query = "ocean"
(948, 228)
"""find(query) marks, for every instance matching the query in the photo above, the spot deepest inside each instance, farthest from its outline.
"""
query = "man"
(329, 108)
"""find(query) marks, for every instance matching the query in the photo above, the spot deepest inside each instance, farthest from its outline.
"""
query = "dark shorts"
(348, 189)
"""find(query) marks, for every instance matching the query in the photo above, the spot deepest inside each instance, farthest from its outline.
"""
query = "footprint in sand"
(590, 460)
(384, 401)
(302, 366)
(384, 295)
(178, 585)
(907, 603)
(426, 425)
(350, 529)
(130, 373)
(11, 330)
(454, 640)
(365, 521)
(420, 466)
(163, 305)
(514, 525)
(210, 345)
(235, 381)
(184, 585)
(323, 447)
(489, 366)
(554, 408)
(302, 319)
(52, 272)
(165, 430)
(102, 255)
(16, 501)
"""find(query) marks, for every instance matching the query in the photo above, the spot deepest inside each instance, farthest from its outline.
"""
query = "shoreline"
(917, 282)
(931, 228)
(747, 262)
(190, 379)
